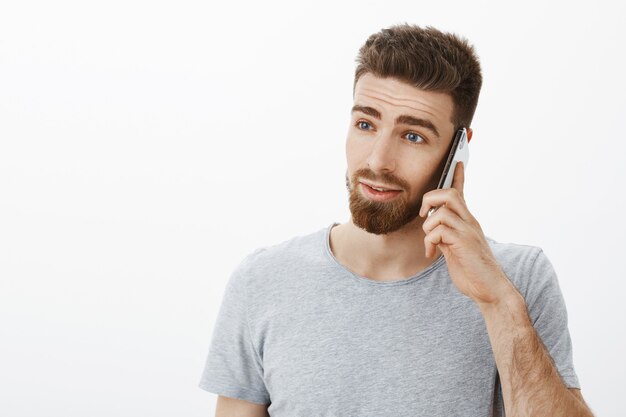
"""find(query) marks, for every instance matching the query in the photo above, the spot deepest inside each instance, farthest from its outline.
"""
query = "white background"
(147, 147)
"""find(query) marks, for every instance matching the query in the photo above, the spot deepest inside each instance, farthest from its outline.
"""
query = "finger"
(430, 249)
(450, 197)
(446, 217)
(458, 181)
(440, 235)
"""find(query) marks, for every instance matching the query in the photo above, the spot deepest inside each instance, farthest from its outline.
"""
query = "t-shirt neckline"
(369, 281)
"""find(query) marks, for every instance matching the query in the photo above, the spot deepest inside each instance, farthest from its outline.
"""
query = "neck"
(392, 256)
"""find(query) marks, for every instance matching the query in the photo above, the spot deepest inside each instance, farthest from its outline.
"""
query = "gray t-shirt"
(301, 332)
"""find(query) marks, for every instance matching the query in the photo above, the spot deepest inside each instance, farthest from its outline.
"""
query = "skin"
(234, 407)
(380, 151)
(384, 150)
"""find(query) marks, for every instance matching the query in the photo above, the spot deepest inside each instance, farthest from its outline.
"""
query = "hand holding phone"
(459, 152)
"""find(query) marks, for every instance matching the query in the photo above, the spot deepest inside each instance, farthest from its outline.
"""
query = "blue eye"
(360, 123)
(413, 137)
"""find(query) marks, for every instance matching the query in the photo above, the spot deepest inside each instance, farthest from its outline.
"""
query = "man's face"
(399, 137)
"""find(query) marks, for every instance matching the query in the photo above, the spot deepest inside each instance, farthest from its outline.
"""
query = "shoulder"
(268, 263)
(297, 248)
(527, 266)
(514, 254)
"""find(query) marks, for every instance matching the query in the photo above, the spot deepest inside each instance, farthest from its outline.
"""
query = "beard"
(381, 217)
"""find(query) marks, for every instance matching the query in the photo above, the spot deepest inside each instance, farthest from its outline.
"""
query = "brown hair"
(428, 59)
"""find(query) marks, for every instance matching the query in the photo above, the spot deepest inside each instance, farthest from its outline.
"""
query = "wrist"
(507, 298)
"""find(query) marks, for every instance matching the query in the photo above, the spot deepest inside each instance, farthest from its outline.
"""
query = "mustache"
(385, 178)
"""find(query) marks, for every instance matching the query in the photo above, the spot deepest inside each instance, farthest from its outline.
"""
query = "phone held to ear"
(459, 152)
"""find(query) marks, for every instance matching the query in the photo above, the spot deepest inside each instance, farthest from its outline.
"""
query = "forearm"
(531, 385)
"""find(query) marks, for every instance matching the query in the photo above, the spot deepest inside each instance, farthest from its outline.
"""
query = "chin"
(382, 218)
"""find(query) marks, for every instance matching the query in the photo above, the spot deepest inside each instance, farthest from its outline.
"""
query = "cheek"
(356, 152)
(352, 154)
(425, 178)
(432, 176)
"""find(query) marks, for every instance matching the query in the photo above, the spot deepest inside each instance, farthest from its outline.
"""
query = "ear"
(469, 134)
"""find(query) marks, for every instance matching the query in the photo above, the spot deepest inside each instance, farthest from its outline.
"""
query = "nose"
(383, 154)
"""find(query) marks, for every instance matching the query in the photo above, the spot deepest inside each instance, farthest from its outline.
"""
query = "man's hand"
(452, 228)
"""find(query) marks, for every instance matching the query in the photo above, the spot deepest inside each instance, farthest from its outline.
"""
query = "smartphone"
(459, 152)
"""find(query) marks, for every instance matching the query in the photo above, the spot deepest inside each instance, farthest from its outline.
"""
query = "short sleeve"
(546, 307)
(233, 367)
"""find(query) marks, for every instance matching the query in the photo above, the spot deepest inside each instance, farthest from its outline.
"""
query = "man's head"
(427, 59)
(413, 89)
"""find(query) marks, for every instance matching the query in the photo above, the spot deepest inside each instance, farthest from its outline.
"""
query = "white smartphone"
(459, 152)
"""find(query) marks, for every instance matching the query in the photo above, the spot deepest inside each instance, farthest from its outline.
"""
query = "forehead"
(389, 95)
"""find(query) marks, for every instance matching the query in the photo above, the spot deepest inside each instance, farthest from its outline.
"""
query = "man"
(397, 313)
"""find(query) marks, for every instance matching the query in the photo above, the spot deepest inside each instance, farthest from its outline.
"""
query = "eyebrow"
(403, 119)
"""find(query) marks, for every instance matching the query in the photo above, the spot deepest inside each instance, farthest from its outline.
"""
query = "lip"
(386, 187)
(379, 195)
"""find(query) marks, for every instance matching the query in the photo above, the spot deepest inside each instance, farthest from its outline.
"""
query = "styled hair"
(427, 59)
